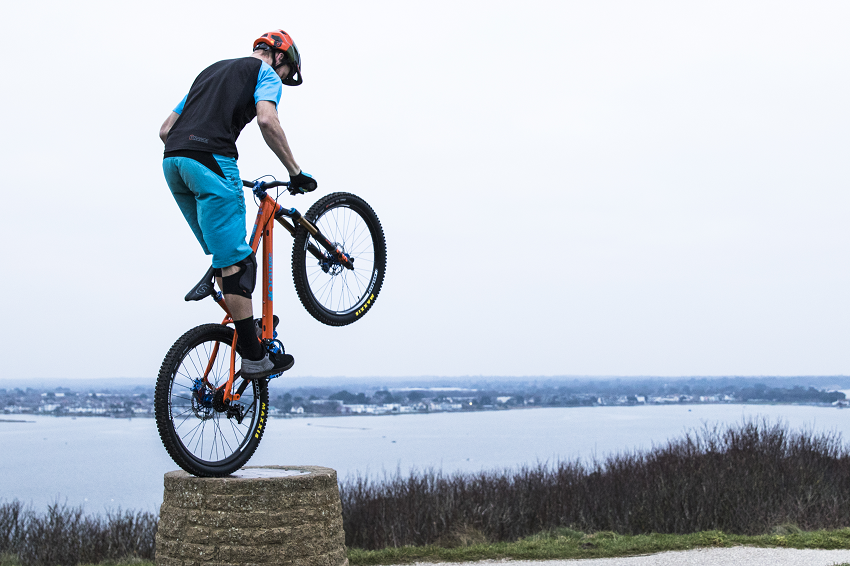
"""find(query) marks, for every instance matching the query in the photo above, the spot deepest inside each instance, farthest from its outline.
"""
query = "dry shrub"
(66, 537)
(745, 479)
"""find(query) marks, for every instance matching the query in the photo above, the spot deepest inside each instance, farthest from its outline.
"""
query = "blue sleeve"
(179, 108)
(269, 86)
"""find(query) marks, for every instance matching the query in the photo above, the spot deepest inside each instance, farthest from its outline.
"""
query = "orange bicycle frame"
(263, 227)
(263, 230)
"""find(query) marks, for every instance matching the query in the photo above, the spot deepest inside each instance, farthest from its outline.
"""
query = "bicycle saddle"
(204, 288)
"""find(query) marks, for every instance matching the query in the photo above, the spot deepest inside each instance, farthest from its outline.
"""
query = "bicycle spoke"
(342, 290)
(199, 429)
(215, 440)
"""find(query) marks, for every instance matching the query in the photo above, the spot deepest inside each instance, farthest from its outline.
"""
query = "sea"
(105, 464)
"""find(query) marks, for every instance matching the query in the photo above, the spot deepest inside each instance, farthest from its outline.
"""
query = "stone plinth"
(282, 515)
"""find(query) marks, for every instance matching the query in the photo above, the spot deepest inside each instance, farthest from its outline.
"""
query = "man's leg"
(237, 283)
(241, 307)
(184, 197)
(221, 218)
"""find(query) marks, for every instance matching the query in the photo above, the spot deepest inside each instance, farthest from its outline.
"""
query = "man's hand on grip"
(302, 183)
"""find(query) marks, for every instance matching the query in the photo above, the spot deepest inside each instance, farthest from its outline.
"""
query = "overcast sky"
(567, 188)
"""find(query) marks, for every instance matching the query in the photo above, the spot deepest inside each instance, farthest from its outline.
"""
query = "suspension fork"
(291, 229)
(333, 249)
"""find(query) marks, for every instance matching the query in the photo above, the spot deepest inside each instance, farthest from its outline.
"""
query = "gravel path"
(735, 556)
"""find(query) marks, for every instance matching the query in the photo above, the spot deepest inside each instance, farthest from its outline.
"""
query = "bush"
(747, 479)
(753, 478)
(66, 537)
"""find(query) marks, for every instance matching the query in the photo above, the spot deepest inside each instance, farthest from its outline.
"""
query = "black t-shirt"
(219, 104)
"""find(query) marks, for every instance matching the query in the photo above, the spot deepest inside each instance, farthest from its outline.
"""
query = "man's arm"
(273, 134)
(166, 126)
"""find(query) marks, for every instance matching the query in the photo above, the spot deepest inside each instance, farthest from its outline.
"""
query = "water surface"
(103, 463)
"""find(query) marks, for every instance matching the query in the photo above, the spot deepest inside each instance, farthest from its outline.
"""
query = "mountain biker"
(200, 169)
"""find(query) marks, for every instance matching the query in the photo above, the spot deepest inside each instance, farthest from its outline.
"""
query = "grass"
(563, 543)
(567, 543)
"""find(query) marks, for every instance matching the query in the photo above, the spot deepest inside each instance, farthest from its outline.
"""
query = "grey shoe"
(271, 364)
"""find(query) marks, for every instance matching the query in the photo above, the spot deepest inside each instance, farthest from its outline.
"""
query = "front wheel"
(332, 293)
(204, 434)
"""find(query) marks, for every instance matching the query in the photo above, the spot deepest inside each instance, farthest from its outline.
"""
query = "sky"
(567, 188)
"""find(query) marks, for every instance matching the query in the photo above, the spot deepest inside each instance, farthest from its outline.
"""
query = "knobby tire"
(201, 439)
(334, 295)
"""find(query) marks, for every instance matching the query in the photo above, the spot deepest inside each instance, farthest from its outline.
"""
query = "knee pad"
(243, 281)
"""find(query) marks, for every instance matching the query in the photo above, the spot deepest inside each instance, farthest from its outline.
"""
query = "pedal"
(275, 346)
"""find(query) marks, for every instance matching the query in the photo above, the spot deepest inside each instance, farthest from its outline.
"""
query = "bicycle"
(209, 419)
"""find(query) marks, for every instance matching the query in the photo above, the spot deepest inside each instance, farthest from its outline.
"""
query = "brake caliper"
(202, 400)
(334, 262)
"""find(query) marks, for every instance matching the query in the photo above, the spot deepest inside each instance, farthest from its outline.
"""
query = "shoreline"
(430, 412)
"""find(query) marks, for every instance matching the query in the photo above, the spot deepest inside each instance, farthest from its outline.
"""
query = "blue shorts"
(214, 206)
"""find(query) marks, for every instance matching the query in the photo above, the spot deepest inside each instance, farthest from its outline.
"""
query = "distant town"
(445, 396)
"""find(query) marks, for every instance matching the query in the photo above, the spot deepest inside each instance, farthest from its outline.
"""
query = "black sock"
(247, 339)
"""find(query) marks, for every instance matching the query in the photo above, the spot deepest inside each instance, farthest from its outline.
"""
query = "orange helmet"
(280, 41)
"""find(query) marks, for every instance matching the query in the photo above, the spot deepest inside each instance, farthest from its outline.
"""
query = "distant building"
(360, 409)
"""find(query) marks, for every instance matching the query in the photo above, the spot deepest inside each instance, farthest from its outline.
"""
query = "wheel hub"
(330, 264)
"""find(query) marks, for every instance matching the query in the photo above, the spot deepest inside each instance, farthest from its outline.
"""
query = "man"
(200, 169)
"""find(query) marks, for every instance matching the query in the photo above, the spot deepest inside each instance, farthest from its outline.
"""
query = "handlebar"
(264, 184)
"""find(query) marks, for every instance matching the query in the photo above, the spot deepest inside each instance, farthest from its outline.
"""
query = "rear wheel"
(205, 435)
(332, 293)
